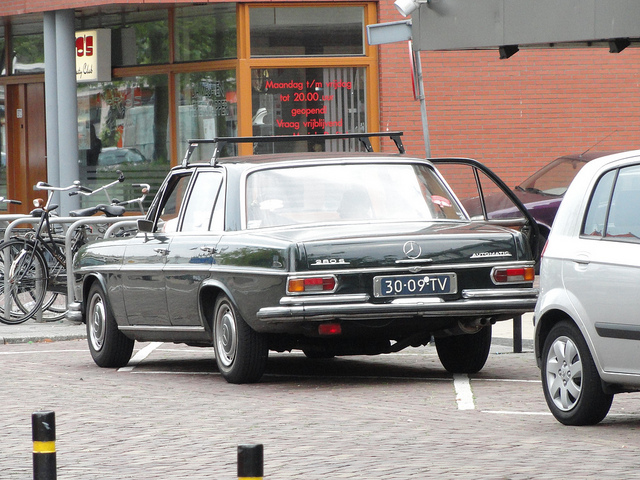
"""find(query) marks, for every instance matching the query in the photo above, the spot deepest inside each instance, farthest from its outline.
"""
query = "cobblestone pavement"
(172, 416)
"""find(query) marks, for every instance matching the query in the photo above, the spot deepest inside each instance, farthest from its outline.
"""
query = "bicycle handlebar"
(79, 189)
(46, 186)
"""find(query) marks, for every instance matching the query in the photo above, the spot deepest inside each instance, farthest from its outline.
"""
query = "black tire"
(109, 347)
(24, 289)
(570, 380)
(241, 352)
(465, 353)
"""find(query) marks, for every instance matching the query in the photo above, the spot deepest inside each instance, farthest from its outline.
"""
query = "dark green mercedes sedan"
(328, 253)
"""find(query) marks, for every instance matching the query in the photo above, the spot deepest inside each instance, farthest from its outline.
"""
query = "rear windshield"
(346, 193)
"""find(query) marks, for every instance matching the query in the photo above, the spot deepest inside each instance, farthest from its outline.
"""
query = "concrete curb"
(33, 332)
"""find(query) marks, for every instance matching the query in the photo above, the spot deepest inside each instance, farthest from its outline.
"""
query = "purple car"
(542, 192)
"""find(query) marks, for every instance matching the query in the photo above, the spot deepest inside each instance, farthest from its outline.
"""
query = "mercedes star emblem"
(411, 249)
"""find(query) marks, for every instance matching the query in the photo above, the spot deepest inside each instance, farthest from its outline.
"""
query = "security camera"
(406, 7)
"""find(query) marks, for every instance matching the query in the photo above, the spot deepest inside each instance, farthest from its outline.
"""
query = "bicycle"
(34, 274)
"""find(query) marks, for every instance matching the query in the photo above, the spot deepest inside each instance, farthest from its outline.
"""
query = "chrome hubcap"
(97, 323)
(564, 373)
(226, 336)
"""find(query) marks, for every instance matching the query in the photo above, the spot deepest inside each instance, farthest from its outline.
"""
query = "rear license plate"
(414, 285)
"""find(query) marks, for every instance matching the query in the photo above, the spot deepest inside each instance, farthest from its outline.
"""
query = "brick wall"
(518, 114)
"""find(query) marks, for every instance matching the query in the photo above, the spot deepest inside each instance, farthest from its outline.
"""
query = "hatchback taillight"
(513, 274)
(323, 284)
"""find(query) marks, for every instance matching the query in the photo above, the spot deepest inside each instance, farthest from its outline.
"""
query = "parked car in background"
(543, 191)
(329, 253)
(113, 156)
(587, 320)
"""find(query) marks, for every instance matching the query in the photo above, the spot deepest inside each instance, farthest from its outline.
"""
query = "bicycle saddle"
(108, 210)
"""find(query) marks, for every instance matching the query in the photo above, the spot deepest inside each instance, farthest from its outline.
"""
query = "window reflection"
(123, 125)
(206, 32)
(287, 31)
(207, 108)
(27, 41)
(137, 37)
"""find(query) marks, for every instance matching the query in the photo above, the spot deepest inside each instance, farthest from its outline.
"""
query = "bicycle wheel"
(54, 305)
(23, 281)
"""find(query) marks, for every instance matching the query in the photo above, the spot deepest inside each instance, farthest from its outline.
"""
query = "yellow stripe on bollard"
(250, 478)
(44, 447)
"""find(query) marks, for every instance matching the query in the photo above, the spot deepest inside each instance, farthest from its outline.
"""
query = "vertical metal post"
(423, 104)
(67, 98)
(51, 100)
(43, 427)
(517, 334)
(250, 462)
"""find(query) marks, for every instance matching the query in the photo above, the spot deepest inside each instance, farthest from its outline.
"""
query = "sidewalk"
(31, 331)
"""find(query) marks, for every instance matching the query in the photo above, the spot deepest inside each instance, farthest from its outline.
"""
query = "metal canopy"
(475, 24)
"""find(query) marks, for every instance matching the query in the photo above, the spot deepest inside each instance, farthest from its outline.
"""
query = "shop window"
(207, 108)
(27, 43)
(304, 101)
(3, 65)
(305, 31)
(137, 37)
(123, 125)
(206, 32)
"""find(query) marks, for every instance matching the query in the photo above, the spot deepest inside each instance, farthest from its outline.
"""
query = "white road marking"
(464, 395)
(506, 412)
(36, 352)
(140, 356)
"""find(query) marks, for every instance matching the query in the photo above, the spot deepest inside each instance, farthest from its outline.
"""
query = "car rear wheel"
(570, 380)
(464, 353)
(241, 352)
(109, 347)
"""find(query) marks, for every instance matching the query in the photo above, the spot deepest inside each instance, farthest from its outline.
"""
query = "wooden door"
(26, 143)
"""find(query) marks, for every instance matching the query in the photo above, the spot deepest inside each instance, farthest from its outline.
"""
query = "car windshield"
(554, 179)
(346, 193)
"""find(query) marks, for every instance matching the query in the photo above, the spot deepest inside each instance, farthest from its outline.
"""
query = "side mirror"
(145, 226)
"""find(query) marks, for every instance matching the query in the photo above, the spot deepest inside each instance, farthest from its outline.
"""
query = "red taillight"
(513, 275)
(311, 284)
(330, 329)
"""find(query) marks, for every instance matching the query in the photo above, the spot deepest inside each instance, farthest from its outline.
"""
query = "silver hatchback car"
(587, 319)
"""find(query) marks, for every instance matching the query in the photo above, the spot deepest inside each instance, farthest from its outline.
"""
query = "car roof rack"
(221, 142)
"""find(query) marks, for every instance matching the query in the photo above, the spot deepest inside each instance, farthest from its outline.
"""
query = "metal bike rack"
(74, 223)
(10, 221)
(73, 307)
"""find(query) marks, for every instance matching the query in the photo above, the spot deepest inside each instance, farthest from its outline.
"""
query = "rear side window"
(598, 206)
(198, 212)
(614, 209)
(623, 222)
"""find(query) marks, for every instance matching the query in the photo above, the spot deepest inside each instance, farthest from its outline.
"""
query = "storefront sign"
(93, 55)
(308, 101)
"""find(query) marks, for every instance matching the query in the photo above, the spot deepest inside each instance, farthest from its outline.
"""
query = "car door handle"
(209, 250)
(161, 251)
(582, 259)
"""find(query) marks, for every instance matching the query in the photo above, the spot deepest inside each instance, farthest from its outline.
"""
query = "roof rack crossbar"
(220, 142)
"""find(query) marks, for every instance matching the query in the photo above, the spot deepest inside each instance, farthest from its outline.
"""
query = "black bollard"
(250, 462)
(43, 428)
